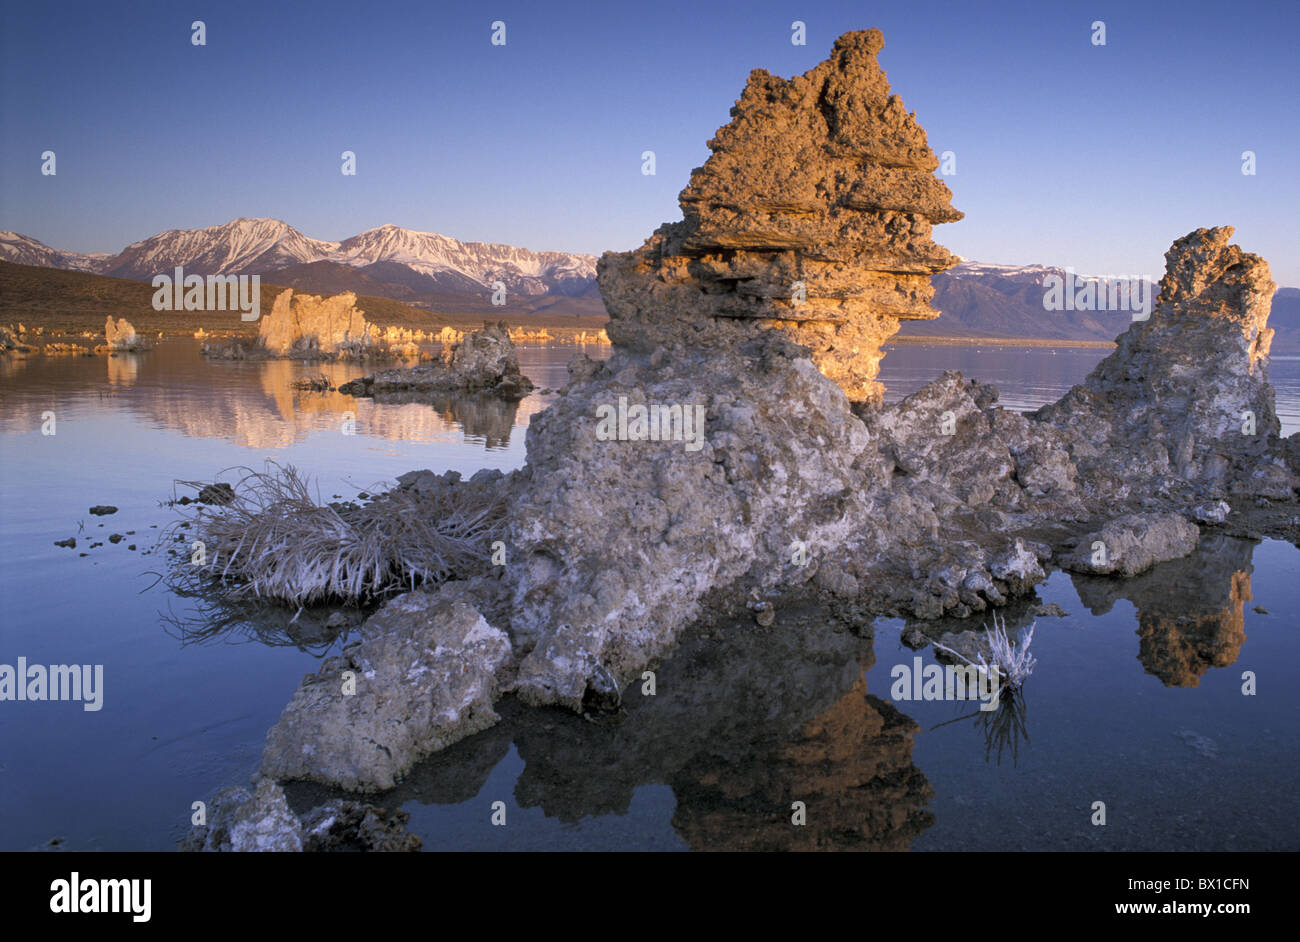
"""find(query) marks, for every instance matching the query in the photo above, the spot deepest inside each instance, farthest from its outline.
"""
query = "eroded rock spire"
(813, 215)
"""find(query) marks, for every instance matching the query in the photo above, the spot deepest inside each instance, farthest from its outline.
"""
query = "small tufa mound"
(120, 337)
(485, 361)
(308, 326)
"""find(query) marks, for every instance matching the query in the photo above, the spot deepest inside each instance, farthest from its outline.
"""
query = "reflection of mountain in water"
(1191, 611)
(742, 724)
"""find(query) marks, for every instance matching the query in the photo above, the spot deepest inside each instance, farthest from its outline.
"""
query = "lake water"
(1136, 701)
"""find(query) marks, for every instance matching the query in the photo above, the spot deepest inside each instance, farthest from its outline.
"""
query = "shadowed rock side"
(1185, 395)
(813, 216)
(262, 822)
(1191, 612)
(740, 475)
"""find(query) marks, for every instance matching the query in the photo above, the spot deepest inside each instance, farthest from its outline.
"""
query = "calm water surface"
(1136, 700)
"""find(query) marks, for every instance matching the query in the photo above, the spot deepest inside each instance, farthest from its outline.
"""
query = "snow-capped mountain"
(969, 269)
(412, 264)
(24, 250)
(437, 255)
(242, 246)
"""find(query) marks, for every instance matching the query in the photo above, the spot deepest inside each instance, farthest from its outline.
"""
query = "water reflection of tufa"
(255, 404)
(1191, 611)
(481, 415)
(744, 722)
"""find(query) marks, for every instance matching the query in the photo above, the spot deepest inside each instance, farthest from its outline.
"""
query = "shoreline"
(941, 341)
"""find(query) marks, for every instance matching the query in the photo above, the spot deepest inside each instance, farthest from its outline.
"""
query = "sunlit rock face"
(813, 215)
(120, 335)
(302, 323)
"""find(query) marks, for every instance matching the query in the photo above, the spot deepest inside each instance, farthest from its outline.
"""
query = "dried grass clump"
(273, 541)
(1011, 660)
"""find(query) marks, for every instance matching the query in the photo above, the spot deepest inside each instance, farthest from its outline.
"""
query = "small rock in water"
(1049, 610)
(1202, 745)
(116, 538)
(70, 542)
(220, 493)
(1261, 610)
(103, 510)
(1213, 512)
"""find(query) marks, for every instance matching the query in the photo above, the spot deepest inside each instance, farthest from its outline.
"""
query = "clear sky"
(1067, 153)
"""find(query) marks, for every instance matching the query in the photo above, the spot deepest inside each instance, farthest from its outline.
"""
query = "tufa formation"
(813, 215)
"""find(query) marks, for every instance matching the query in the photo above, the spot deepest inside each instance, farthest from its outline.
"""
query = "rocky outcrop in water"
(11, 341)
(485, 361)
(120, 335)
(808, 731)
(424, 677)
(812, 215)
(1132, 543)
(1185, 396)
(262, 822)
(307, 325)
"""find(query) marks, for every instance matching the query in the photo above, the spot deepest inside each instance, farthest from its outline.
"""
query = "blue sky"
(1067, 153)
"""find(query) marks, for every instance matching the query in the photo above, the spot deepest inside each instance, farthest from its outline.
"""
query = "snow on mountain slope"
(978, 269)
(263, 246)
(242, 246)
(431, 254)
(24, 250)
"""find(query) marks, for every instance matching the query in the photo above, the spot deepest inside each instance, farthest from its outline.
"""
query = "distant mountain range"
(423, 269)
(983, 300)
(443, 275)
